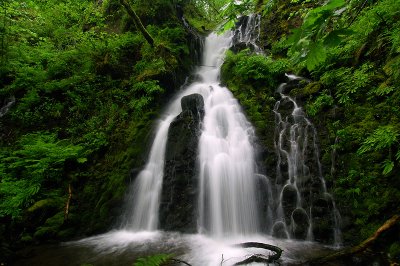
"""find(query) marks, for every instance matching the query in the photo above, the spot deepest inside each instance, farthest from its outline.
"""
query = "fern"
(154, 260)
(382, 138)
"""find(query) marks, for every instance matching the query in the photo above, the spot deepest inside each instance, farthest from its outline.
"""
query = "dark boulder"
(179, 193)
(300, 223)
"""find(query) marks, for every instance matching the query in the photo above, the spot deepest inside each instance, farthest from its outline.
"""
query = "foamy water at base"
(125, 247)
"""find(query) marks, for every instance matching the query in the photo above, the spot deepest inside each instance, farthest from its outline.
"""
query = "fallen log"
(365, 247)
(260, 258)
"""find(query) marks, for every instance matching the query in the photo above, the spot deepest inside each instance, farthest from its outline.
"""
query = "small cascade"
(7, 105)
(302, 203)
(247, 32)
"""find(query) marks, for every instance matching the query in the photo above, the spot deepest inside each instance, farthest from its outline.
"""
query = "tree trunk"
(138, 22)
(337, 257)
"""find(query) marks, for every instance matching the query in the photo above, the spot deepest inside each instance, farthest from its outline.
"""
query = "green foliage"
(309, 43)
(154, 260)
(144, 94)
(382, 138)
(349, 84)
(87, 88)
(40, 159)
(322, 101)
(231, 10)
(258, 70)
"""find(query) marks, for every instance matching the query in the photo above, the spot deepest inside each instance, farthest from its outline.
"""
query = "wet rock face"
(323, 220)
(289, 201)
(279, 230)
(179, 192)
(300, 223)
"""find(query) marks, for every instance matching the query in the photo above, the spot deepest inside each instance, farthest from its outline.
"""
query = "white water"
(249, 32)
(7, 105)
(227, 202)
(293, 134)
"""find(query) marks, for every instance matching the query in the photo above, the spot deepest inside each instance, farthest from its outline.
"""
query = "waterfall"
(227, 202)
(228, 182)
(7, 105)
(227, 189)
(248, 32)
(300, 188)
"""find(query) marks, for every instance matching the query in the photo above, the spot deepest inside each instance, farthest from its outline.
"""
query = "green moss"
(44, 204)
(394, 251)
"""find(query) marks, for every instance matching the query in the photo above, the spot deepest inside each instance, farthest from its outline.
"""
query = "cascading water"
(7, 105)
(300, 190)
(227, 189)
(248, 32)
(227, 178)
(227, 200)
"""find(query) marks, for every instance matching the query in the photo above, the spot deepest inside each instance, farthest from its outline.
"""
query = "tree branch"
(137, 21)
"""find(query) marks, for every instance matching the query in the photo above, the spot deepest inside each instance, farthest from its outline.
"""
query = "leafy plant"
(40, 158)
(154, 260)
(309, 43)
(382, 138)
(322, 101)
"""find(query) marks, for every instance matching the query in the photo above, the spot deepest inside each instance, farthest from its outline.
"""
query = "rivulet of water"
(299, 183)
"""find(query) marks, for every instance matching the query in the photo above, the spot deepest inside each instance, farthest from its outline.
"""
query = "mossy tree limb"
(344, 254)
(137, 21)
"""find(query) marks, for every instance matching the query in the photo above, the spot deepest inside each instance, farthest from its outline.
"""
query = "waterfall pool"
(125, 247)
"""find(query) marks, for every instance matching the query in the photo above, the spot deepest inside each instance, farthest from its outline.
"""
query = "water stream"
(300, 190)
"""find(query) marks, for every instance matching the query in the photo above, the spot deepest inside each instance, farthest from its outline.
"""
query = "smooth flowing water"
(227, 201)
(300, 188)
(7, 105)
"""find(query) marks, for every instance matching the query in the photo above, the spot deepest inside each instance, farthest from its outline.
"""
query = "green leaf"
(382, 138)
(315, 56)
(82, 160)
(154, 260)
(335, 37)
(227, 26)
(388, 166)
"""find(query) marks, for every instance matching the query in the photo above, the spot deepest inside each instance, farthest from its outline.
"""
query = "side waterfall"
(7, 105)
(301, 196)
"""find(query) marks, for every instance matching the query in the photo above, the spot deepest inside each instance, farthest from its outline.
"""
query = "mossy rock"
(26, 239)
(45, 233)
(66, 234)
(309, 89)
(394, 251)
(50, 228)
(45, 204)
